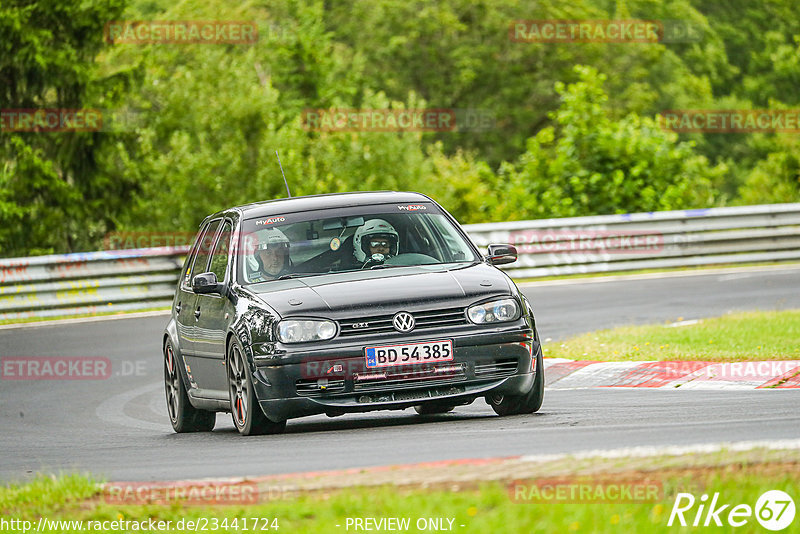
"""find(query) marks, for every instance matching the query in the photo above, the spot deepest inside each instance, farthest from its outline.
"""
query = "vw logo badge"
(403, 322)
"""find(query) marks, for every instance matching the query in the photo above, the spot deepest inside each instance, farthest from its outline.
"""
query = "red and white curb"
(571, 374)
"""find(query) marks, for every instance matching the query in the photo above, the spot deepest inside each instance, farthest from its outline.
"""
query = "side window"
(219, 259)
(186, 275)
(202, 252)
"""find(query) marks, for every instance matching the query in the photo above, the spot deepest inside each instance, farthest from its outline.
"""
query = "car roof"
(282, 206)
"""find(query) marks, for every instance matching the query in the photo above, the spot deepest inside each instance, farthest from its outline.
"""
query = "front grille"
(318, 386)
(382, 324)
(496, 368)
(388, 379)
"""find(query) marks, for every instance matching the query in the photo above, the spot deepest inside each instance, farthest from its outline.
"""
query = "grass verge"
(495, 506)
(769, 335)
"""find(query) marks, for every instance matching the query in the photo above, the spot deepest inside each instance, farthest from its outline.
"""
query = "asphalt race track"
(118, 427)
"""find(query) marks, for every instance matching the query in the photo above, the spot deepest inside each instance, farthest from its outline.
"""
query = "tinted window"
(219, 260)
(203, 252)
(187, 264)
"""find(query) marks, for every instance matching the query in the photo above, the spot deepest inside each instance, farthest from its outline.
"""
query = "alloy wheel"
(239, 386)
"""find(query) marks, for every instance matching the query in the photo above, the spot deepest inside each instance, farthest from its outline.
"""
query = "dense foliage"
(195, 126)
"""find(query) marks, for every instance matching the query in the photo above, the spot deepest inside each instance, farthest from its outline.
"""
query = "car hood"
(383, 291)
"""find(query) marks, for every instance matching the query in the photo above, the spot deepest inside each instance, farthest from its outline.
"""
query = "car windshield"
(365, 237)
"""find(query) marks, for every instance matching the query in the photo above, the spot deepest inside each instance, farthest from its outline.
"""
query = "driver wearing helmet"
(270, 257)
(375, 241)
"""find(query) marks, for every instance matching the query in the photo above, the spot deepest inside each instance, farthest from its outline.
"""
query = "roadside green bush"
(591, 164)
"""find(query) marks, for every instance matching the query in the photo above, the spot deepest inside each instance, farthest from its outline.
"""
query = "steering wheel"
(375, 259)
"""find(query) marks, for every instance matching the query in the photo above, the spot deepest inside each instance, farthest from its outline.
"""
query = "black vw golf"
(344, 303)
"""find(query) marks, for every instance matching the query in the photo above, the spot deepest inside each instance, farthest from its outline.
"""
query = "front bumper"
(336, 380)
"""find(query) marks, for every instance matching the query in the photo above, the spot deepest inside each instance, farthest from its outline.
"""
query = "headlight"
(496, 311)
(303, 330)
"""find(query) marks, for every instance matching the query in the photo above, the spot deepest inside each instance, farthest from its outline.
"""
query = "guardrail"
(654, 240)
(88, 283)
(95, 282)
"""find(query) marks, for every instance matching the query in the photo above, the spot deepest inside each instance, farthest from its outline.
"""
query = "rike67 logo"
(774, 510)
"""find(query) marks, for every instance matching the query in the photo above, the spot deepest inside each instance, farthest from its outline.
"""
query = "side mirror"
(502, 254)
(205, 283)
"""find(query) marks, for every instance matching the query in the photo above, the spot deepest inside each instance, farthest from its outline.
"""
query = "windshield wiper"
(299, 275)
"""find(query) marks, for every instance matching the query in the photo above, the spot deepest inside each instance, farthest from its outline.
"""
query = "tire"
(433, 409)
(504, 404)
(247, 415)
(527, 403)
(183, 416)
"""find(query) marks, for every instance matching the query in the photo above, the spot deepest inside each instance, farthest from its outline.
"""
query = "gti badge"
(403, 322)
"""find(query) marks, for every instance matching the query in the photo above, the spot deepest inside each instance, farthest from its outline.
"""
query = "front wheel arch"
(246, 413)
(179, 357)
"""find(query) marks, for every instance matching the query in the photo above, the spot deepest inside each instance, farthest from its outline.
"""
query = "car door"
(185, 297)
(213, 312)
(199, 369)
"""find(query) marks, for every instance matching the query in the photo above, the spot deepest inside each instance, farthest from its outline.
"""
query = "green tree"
(591, 164)
(53, 195)
(775, 178)
(212, 117)
(750, 57)
(458, 54)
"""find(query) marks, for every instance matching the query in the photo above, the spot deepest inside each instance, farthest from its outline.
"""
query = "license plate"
(409, 354)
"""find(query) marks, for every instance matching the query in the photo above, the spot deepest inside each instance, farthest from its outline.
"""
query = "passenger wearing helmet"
(270, 257)
(374, 242)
